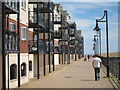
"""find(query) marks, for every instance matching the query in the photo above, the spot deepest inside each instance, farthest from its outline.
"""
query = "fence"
(114, 66)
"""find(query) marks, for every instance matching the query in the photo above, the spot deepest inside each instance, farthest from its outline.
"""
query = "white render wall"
(56, 59)
(13, 59)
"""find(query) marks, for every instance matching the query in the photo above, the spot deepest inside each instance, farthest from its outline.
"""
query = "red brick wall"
(23, 43)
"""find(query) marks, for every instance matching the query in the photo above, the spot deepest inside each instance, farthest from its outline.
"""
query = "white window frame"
(23, 4)
(12, 26)
(25, 37)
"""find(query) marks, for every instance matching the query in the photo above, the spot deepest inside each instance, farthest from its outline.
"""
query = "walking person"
(96, 63)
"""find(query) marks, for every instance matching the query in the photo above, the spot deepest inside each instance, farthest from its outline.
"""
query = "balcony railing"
(72, 25)
(57, 50)
(11, 42)
(72, 32)
(33, 19)
(51, 25)
(58, 34)
(51, 48)
(72, 50)
(64, 49)
(32, 47)
(72, 42)
(12, 6)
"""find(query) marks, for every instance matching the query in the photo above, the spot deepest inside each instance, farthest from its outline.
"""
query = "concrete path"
(79, 74)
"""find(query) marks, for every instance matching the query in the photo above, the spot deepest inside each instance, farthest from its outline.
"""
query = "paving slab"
(79, 74)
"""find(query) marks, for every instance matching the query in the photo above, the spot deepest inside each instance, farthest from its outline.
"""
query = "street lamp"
(98, 31)
(95, 45)
(96, 28)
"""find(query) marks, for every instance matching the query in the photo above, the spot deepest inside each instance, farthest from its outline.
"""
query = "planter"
(7, 31)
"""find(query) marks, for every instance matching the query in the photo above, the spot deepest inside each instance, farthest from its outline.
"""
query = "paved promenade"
(79, 74)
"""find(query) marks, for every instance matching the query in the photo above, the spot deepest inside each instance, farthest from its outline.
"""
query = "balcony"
(11, 6)
(11, 42)
(72, 25)
(64, 49)
(72, 32)
(57, 50)
(72, 42)
(72, 50)
(49, 7)
(50, 27)
(32, 47)
(58, 34)
(33, 23)
(57, 20)
(51, 48)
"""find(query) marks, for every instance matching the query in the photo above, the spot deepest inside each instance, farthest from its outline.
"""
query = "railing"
(57, 50)
(11, 42)
(72, 42)
(114, 65)
(64, 49)
(12, 4)
(72, 32)
(32, 47)
(33, 18)
(57, 34)
(51, 48)
(72, 24)
(72, 50)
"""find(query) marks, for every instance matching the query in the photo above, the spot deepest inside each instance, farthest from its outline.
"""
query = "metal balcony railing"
(11, 6)
(11, 42)
(72, 32)
(57, 34)
(72, 25)
(57, 50)
(32, 47)
(51, 48)
(33, 19)
(72, 50)
(72, 42)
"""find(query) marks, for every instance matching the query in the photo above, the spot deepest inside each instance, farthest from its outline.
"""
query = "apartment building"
(35, 37)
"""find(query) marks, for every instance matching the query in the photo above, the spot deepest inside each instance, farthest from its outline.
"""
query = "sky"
(85, 15)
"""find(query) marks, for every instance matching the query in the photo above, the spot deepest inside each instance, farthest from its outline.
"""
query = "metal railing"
(32, 46)
(57, 34)
(11, 41)
(114, 66)
(12, 4)
(33, 18)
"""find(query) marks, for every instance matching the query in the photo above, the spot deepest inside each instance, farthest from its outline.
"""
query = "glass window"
(12, 26)
(23, 69)
(13, 71)
(30, 65)
(23, 33)
(24, 4)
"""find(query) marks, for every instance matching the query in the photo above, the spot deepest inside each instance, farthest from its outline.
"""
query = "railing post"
(119, 71)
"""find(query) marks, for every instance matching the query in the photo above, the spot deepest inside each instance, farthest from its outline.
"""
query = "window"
(30, 65)
(13, 71)
(24, 4)
(23, 33)
(23, 69)
(12, 26)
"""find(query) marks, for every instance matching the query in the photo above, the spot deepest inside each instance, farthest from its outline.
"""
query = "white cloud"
(83, 23)
(85, 0)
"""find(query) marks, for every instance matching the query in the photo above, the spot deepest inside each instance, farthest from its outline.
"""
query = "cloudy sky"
(85, 13)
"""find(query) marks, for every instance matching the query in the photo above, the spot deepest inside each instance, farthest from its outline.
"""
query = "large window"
(23, 69)
(23, 4)
(30, 65)
(13, 71)
(24, 33)
(12, 26)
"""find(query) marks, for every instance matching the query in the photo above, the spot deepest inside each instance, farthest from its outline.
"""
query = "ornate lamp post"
(97, 28)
